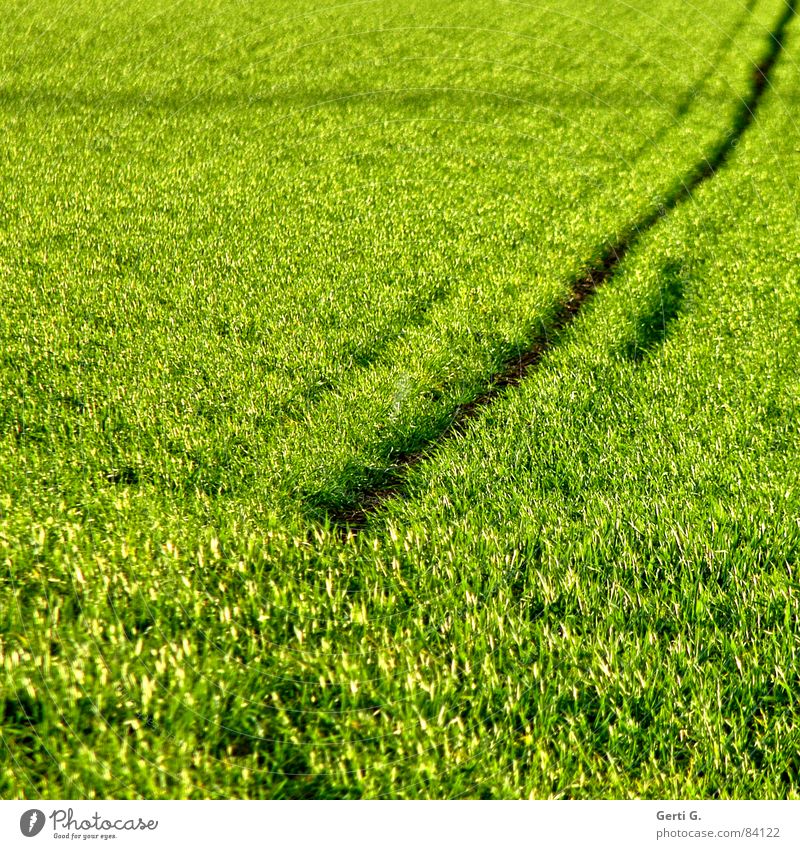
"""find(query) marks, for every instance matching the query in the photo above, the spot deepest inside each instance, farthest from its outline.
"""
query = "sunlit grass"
(248, 258)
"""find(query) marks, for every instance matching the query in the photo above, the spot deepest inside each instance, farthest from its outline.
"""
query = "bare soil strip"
(597, 273)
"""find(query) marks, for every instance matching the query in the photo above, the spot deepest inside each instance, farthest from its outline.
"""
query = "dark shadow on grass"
(692, 93)
(302, 96)
(654, 323)
(21, 715)
(351, 512)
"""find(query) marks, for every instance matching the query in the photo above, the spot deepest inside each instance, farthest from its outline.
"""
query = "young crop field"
(400, 399)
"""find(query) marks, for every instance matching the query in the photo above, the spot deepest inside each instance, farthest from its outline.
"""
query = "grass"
(251, 259)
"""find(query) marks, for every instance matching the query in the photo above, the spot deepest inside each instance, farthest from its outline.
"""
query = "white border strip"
(386, 824)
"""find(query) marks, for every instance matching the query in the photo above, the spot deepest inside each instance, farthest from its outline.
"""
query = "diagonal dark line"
(690, 95)
(597, 273)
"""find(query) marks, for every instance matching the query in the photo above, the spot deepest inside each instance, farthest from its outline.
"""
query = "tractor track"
(597, 273)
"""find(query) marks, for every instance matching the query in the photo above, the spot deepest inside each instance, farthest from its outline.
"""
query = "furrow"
(597, 273)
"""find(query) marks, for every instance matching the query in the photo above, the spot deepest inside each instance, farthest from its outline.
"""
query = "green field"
(400, 399)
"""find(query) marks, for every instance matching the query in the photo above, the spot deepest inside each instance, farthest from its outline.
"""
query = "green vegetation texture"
(253, 257)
